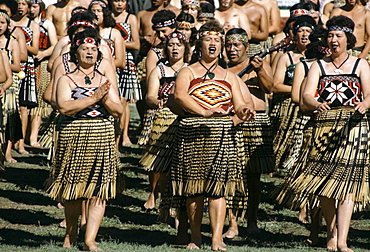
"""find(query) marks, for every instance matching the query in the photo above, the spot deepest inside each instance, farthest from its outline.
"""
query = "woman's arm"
(135, 38)
(153, 85)
(279, 86)
(120, 49)
(297, 82)
(16, 56)
(69, 107)
(8, 71)
(150, 63)
(364, 74)
(19, 35)
(34, 48)
(308, 94)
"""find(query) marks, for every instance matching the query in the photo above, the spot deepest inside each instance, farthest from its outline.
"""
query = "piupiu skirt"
(205, 159)
(257, 143)
(338, 158)
(147, 127)
(42, 81)
(86, 162)
(157, 155)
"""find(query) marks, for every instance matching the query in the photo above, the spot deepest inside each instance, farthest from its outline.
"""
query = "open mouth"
(212, 49)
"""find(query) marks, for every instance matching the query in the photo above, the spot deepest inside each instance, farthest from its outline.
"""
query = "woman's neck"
(178, 62)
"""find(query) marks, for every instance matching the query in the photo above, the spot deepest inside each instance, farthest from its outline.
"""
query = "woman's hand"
(213, 112)
(361, 107)
(102, 91)
(248, 114)
(322, 107)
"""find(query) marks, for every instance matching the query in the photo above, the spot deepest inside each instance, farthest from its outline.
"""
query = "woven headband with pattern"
(83, 23)
(299, 12)
(36, 1)
(238, 37)
(188, 2)
(338, 28)
(177, 35)
(87, 41)
(208, 33)
(78, 11)
(5, 15)
(303, 24)
(206, 15)
(101, 3)
(165, 23)
(184, 24)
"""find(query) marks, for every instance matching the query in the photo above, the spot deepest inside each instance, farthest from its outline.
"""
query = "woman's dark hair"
(11, 4)
(108, 19)
(42, 6)
(345, 23)
(7, 32)
(185, 43)
(240, 31)
(304, 20)
(86, 16)
(90, 33)
(288, 25)
(211, 25)
(315, 49)
(186, 17)
(163, 16)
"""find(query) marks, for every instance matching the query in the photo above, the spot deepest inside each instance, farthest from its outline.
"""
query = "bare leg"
(233, 229)
(345, 209)
(94, 217)
(217, 214)
(329, 212)
(35, 126)
(72, 210)
(254, 199)
(164, 212)
(126, 121)
(182, 237)
(195, 208)
(316, 216)
(302, 217)
(153, 181)
(24, 120)
(84, 204)
(8, 153)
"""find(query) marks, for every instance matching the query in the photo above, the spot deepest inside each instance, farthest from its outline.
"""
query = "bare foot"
(302, 217)
(150, 203)
(126, 141)
(331, 244)
(91, 247)
(63, 224)
(344, 249)
(22, 151)
(192, 246)
(10, 159)
(253, 229)
(60, 206)
(35, 144)
(218, 247)
(230, 233)
(69, 241)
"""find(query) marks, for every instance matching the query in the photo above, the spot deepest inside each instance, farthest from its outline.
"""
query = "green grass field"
(29, 219)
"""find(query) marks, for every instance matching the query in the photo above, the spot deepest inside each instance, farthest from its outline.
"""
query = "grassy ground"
(29, 219)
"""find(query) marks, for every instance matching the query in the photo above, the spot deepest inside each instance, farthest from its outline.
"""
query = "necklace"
(208, 73)
(177, 71)
(87, 78)
(337, 70)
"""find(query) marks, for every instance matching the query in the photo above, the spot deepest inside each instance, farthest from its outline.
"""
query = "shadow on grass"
(22, 238)
(26, 177)
(27, 198)
(26, 217)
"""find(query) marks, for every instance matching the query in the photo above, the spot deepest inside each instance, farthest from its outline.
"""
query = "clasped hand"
(102, 90)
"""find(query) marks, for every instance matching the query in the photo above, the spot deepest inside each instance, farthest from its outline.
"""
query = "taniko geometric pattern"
(95, 110)
(340, 90)
(211, 94)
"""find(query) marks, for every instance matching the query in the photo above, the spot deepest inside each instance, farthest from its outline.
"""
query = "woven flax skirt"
(205, 158)
(86, 162)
